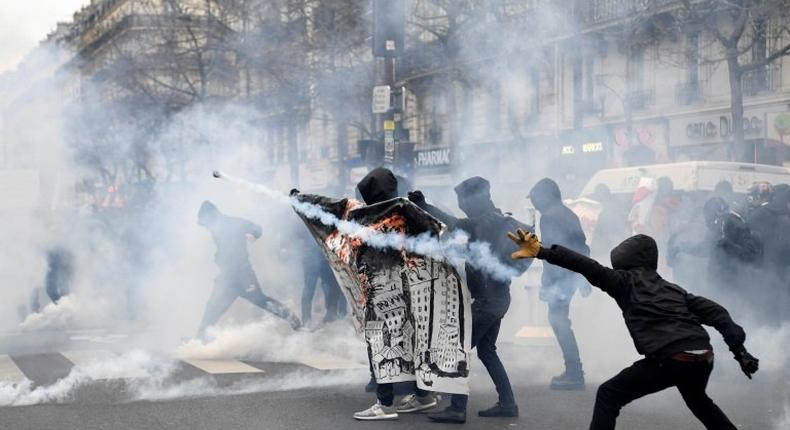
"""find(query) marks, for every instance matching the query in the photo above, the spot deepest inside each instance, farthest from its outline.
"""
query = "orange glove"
(528, 244)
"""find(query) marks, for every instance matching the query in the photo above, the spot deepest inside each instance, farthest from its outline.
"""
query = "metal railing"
(600, 11)
(762, 80)
(639, 99)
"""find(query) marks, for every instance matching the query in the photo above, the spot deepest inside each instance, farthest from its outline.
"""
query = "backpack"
(503, 246)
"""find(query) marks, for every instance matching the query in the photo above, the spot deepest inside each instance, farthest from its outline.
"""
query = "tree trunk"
(736, 105)
(342, 146)
(293, 150)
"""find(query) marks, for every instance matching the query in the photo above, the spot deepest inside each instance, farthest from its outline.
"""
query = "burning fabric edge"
(454, 248)
(413, 309)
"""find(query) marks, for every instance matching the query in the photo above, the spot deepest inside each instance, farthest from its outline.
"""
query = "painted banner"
(413, 310)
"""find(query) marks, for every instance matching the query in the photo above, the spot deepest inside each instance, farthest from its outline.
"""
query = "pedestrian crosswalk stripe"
(9, 371)
(330, 363)
(100, 364)
(216, 367)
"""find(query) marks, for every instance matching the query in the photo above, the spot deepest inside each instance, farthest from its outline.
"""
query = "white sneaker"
(377, 412)
(413, 403)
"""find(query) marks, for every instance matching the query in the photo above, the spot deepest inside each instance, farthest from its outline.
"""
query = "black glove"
(294, 192)
(749, 364)
(417, 198)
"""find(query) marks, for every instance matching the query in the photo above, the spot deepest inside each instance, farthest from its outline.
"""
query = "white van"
(689, 176)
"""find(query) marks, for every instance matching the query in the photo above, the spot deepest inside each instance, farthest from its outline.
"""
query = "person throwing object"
(236, 277)
(665, 323)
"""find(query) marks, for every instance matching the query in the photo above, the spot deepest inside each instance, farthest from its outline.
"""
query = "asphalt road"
(295, 396)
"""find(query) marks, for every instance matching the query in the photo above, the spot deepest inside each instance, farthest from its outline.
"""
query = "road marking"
(331, 363)
(101, 364)
(218, 367)
(9, 371)
(534, 336)
(535, 332)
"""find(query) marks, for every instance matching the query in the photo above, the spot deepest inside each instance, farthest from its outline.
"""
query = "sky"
(24, 23)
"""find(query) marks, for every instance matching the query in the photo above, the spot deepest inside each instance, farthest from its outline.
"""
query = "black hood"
(545, 194)
(377, 186)
(208, 213)
(634, 252)
(474, 196)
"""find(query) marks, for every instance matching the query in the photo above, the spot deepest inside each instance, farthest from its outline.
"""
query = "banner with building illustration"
(413, 310)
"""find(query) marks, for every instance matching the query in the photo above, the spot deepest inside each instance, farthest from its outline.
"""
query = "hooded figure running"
(665, 323)
(236, 277)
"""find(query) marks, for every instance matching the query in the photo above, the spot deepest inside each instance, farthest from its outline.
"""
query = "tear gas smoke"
(454, 248)
(154, 380)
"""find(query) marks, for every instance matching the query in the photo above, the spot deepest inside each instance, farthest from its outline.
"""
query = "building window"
(690, 91)
(494, 108)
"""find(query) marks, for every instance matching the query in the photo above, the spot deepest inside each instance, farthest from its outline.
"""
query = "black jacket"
(558, 226)
(771, 224)
(662, 318)
(484, 223)
(230, 237)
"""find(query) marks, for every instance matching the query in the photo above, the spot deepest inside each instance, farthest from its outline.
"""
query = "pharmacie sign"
(439, 157)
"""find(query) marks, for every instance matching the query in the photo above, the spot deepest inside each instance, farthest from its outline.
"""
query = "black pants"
(240, 283)
(649, 376)
(385, 393)
(485, 331)
(333, 297)
(559, 310)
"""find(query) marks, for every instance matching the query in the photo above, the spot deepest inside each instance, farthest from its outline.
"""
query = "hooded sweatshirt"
(662, 318)
(230, 237)
(484, 223)
(558, 226)
(377, 186)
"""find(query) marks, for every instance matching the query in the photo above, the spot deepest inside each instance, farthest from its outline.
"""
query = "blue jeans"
(485, 330)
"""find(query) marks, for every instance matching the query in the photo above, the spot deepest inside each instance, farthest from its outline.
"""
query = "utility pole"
(389, 27)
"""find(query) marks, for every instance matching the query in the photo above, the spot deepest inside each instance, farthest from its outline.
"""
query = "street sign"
(389, 125)
(381, 99)
(389, 146)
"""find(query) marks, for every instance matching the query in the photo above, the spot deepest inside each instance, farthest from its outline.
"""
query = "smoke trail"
(454, 248)
(137, 362)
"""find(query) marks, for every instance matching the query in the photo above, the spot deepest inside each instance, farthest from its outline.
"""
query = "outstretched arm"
(609, 280)
(452, 222)
(713, 314)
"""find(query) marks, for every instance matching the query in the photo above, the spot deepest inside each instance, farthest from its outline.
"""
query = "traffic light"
(389, 27)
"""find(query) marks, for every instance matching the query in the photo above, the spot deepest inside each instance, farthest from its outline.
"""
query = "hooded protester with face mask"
(665, 323)
(731, 248)
(484, 223)
(236, 277)
(560, 226)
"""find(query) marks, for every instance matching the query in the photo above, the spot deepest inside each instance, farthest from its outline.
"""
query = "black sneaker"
(568, 381)
(448, 415)
(499, 411)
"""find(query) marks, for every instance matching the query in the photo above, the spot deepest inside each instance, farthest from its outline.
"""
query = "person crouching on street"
(665, 323)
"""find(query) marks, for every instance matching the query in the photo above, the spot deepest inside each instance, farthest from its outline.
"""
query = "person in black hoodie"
(665, 323)
(379, 186)
(733, 251)
(236, 277)
(560, 226)
(485, 223)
